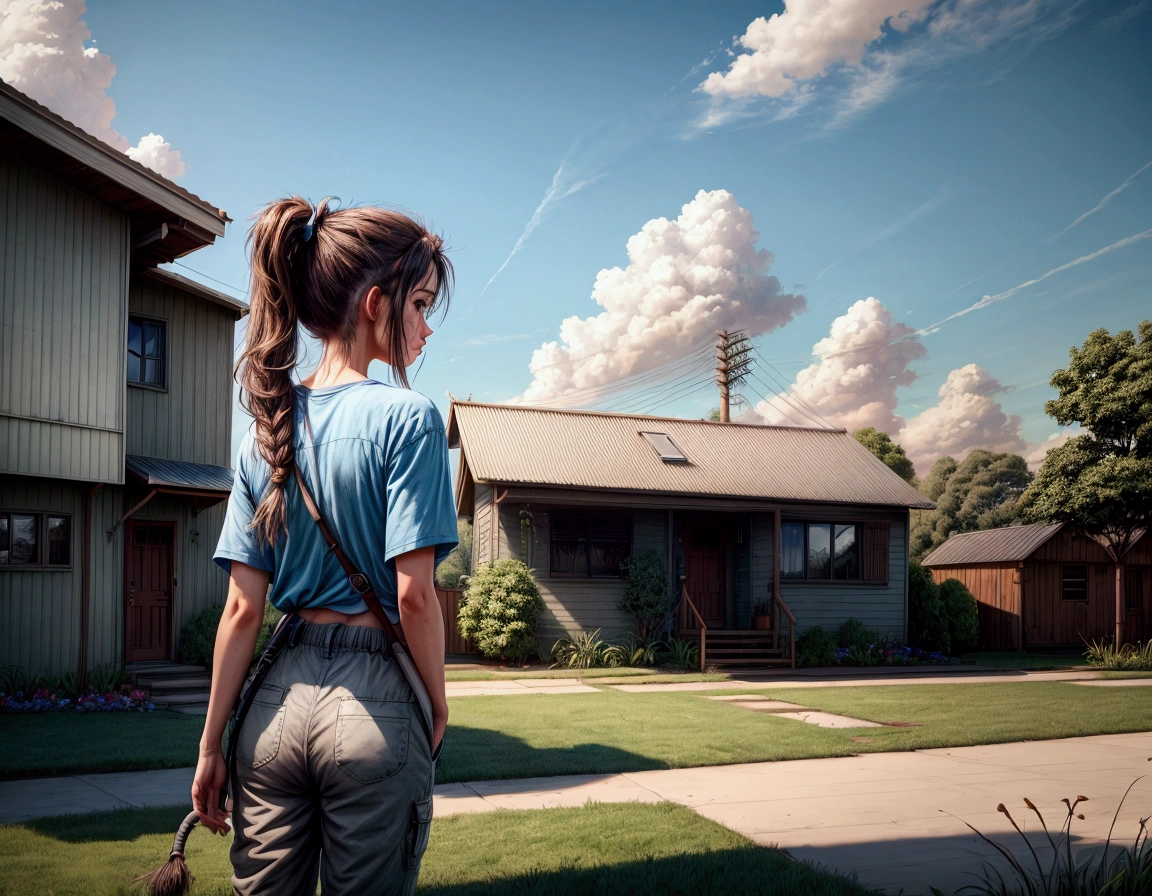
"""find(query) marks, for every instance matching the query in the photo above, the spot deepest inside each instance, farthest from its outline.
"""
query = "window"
(589, 543)
(35, 539)
(665, 447)
(1074, 583)
(820, 551)
(146, 351)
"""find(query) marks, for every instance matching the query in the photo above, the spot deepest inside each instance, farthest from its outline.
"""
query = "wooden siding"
(881, 607)
(996, 588)
(1068, 547)
(191, 419)
(40, 608)
(1050, 621)
(63, 301)
(482, 526)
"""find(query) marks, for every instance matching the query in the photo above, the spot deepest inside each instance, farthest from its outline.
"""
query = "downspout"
(86, 586)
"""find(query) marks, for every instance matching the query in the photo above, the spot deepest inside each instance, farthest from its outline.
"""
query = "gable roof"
(588, 449)
(197, 289)
(1007, 545)
(48, 141)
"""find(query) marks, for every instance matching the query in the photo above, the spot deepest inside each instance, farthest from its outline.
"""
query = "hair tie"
(310, 227)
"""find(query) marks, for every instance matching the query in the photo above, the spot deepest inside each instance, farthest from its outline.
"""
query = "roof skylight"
(665, 447)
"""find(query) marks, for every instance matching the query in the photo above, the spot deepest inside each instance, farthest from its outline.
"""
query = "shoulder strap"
(359, 582)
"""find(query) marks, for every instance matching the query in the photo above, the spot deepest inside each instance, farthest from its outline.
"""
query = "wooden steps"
(741, 648)
(172, 686)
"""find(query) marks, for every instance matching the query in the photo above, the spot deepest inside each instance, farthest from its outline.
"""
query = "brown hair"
(311, 266)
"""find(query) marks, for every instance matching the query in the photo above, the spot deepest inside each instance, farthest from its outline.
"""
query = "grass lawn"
(624, 849)
(638, 674)
(1032, 662)
(610, 731)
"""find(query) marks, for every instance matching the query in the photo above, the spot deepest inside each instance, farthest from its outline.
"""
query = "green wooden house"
(757, 525)
(115, 401)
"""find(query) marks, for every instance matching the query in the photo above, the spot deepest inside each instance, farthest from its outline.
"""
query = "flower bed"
(43, 700)
(877, 655)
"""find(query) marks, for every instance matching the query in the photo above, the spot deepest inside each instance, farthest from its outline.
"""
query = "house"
(1047, 585)
(806, 521)
(115, 401)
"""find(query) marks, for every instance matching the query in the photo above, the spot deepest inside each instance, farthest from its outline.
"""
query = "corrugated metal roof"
(586, 449)
(197, 289)
(162, 473)
(1007, 545)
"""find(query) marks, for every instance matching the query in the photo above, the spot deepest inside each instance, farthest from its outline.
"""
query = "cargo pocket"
(259, 738)
(372, 738)
(420, 825)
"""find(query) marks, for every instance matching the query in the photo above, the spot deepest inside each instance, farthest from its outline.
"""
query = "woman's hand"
(439, 723)
(211, 778)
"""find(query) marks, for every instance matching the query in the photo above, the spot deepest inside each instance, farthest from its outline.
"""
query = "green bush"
(1129, 658)
(855, 634)
(815, 647)
(646, 596)
(198, 637)
(585, 650)
(684, 654)
(500, 609)
(963, 618)
(927, 619)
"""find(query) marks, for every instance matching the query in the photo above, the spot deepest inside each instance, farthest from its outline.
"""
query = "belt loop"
(328, 636)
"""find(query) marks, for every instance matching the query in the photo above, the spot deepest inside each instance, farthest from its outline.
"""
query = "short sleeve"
(237, 540)
(421, 512)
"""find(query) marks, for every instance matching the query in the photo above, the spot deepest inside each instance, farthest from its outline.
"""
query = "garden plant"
(500, 608)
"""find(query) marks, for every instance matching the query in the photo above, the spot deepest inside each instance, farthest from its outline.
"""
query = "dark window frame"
(805, 578)
(1080, 583)
(43, 545)
(573, 521)
(162, 357)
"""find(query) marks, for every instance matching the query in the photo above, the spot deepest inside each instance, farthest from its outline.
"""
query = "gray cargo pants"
(334, 773)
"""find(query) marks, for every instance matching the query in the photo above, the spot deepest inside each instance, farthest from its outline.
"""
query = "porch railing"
(782, 607)
(685, 605)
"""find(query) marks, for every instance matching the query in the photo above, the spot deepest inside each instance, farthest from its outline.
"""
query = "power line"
(635, 402)
(213, 279)
(699, 388)
(791, 396)
(653, 391)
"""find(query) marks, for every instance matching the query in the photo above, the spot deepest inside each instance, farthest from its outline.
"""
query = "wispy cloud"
(1009, 293)
(1108, 198)
(923, 210)
(564, 184)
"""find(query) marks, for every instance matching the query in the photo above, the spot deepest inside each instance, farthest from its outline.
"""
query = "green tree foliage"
(980, 493)
(646, 596)
(927, 619)
(500, 609)
(963, 617)
(933, 487)
(714, 415)
(892, 454)
(457, 565)
(1101, 481)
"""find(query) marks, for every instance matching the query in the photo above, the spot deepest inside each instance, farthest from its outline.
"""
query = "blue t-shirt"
(379, 474)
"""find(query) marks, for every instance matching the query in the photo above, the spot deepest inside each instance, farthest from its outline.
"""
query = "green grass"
(610, 731)
(629, 849)
(1031, 662)
(630, 672)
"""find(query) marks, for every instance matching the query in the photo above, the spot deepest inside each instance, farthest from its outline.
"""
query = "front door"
(1134, 605)
(704, 571)
(147, 591)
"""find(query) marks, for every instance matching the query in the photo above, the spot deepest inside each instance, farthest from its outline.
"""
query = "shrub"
(641, 652)
(684, 654)
(1129, 658)
(500, 609)
(271, 617)
(815, 647)
(646, 596)
(855, 634)
(198, 637)
(962, 615)
(927, 620)
(585, 650)
(106, 678)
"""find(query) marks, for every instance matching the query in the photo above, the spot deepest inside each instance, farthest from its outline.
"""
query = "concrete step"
(198, 682)
(157, 671)
(179, 699)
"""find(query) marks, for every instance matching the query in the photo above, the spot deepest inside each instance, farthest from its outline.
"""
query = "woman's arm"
(423, 626)
(235, 641)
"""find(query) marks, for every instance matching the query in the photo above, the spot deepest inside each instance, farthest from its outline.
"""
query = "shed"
(1046, 585)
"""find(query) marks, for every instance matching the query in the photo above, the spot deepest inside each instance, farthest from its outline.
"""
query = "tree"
(892, 454)
(714, 415)
(980, 493)
(933, 487)
(458, 565)
(1101, 482)
(646, 596)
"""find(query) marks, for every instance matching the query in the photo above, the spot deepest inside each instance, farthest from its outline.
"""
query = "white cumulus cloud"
(686, 278)
(862, 361)
(967, 417)
(43, 54)
(1037, 453)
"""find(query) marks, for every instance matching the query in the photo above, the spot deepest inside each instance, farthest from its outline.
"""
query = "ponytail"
(310, 268)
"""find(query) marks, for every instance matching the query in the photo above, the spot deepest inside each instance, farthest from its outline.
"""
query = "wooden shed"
(1047, 585)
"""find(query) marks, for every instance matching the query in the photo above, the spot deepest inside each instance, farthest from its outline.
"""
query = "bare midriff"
(324, 616)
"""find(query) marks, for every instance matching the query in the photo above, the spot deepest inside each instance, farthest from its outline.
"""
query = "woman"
(334, 765)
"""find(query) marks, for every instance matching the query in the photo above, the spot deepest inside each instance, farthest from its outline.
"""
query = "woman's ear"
(372, 303)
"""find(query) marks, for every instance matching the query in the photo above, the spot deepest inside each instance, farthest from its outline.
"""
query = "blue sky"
(955, 182)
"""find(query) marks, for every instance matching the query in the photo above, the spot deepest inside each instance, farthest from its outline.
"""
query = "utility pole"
(733, 361)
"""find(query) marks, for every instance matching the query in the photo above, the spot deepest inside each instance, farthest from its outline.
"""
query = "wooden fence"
(449, 606)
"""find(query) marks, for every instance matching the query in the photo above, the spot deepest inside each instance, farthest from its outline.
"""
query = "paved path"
(746, 681)
(880, 814)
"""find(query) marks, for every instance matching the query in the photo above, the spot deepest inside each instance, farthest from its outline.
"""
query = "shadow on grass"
(752, 870)
(121, 825)
(481, 754)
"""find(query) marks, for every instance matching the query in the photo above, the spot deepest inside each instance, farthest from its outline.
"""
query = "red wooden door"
(704, 571)
(147, 592)
(1134, 605)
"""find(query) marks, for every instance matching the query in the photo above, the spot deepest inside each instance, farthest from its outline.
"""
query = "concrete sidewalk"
(882, 815)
